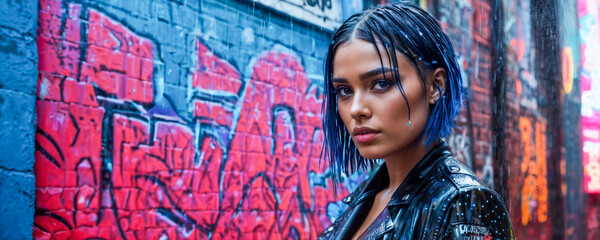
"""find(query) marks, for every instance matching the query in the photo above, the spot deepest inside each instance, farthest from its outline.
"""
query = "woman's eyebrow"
(363, 76)
(339, 80)
(374, 72)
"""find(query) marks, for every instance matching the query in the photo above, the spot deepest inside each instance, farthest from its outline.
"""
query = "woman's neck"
(402, 162)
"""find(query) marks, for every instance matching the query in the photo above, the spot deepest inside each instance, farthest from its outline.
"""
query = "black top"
(439, 199)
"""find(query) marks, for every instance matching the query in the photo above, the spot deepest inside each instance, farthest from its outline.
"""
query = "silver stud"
(330, 229)
(454, 169)
(405, 197)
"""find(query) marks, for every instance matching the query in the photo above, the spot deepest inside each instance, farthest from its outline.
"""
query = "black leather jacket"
(439, 199)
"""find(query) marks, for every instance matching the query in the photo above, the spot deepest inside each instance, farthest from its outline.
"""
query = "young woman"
(393, 89)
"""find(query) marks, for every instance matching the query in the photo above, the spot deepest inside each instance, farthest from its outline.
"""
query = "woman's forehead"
(357, 54)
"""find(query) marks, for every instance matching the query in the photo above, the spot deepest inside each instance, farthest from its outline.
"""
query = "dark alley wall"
(18, 22)
(521, 63)
(570, 62)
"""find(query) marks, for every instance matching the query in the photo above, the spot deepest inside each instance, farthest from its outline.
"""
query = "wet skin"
(376, 114)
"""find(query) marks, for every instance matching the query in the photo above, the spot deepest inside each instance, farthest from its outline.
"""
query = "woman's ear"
(437, 86)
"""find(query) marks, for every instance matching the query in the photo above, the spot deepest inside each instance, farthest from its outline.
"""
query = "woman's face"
(372, 108)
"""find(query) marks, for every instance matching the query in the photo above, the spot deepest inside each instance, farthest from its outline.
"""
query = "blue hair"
(414, 33)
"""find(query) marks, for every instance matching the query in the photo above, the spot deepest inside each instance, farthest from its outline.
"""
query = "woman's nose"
(360, 107)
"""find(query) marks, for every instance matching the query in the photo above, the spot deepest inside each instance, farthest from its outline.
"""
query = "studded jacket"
(439, 199)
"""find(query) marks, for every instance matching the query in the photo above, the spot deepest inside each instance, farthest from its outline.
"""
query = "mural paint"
(461, 147)
(592, 167)
(525, 127)
(534, 194)
(589, 30)
(115, 160)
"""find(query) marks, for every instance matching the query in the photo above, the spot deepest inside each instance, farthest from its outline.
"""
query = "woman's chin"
(370, 154)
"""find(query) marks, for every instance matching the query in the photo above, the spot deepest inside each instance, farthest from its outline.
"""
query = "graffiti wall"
(117, 158)
(520, 40)
(526, 127)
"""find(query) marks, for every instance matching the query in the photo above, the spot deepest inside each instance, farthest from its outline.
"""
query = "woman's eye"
(381, 85)
(343, 92)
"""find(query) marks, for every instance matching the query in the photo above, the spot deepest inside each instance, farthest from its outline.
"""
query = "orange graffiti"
(534, 195)
(567, 69)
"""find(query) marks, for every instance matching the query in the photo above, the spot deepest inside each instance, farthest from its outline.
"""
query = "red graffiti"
(114, 161)
(281, 139)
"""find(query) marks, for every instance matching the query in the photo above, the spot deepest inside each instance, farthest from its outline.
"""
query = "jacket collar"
(419, 174)
(408, 188)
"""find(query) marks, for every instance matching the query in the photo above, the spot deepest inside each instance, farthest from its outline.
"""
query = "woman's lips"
(365, 137)
(364, 134)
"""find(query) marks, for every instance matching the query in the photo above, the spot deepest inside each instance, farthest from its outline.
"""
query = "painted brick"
(305, 43)
(161, 10)
(219, 10)
(172, 74)
(178, 96)
(139, 8)
(278, 33)
(183, 16)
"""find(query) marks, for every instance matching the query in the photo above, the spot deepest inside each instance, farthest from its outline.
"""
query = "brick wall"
(17, 117)
(179, 119)
(533, 148)
(467, 25)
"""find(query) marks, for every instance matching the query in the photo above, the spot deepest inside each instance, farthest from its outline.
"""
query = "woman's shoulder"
(460, 177)
(449, 178)
(477, 212)
(467, 206)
